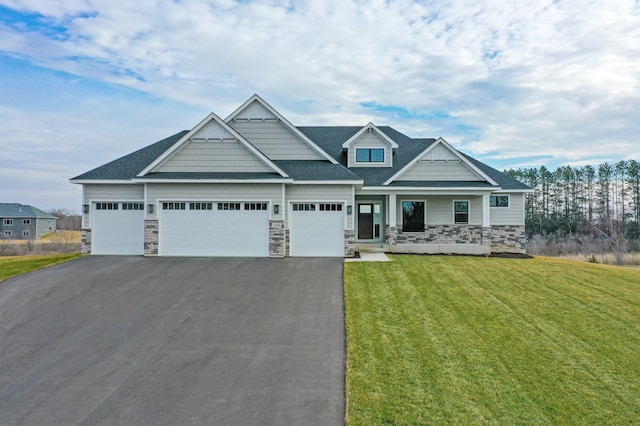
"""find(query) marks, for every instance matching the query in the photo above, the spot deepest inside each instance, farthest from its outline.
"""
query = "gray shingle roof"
(15, 210)
(316, 170)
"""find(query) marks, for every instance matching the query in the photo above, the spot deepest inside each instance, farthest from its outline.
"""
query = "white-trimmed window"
(330, 207)
(499, 201)
(369, 155)
(413, 216)
(7, 222)
(173, 205)
(106, 206)
(229, 206)
(26, 221)
(132, 206)
(461, 212)
(304, 207)
(201, 206)
(255, 206)
(7, 233)
(26, 233)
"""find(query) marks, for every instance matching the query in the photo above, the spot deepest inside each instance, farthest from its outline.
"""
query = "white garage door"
(214, 229)
(117, 228)
(317, 229)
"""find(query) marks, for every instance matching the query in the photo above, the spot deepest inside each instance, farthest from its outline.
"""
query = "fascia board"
(286, 122)
(102, 181)
(362, 131)
(328, 182)
(514, 191)
(239, 181)
(454, 191)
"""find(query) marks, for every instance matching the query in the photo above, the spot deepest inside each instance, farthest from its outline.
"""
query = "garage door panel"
(214, 232)
(317, 233)
(117, 231)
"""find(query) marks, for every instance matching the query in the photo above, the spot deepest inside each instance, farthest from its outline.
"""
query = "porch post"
(486, 219)
(391, 208)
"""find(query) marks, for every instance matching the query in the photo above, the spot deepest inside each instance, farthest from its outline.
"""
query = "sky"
(513, 84)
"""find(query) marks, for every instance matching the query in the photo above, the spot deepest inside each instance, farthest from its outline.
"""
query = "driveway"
(188, 341)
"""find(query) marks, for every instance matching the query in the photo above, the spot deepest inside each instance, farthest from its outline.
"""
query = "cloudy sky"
(514, 84)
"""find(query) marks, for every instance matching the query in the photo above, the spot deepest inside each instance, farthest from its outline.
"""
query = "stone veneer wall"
(391, 236)
(442, 234)
(349, 243)
(508, 238)
(151, 237)
(277, 238)
(86, 241)
(287, 242)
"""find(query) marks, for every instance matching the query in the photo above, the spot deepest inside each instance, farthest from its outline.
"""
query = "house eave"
(328, 182)
(240, 181)
(102, 181)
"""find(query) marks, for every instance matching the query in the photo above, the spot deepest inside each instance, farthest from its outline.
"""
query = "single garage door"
(317, 229)
(117, 228)
(208, 228)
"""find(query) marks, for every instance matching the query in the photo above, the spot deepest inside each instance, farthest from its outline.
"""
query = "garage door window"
(132, 206)
(255, 206)
(300, 207)
(106, 206)
(201, 206)
(330, 207)
(228, 206)
(174, 206)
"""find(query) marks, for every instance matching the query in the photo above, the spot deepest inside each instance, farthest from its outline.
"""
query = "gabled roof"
(294, 129)
(306, 170)
(16, 210)
(369, 127)
(186, 138)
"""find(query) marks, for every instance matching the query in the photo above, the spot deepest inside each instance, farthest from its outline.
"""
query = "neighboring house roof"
(15, 210)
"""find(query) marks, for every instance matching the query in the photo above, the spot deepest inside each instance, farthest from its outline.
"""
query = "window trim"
(362, 148)
(26, 221)
(424, 215)
(26, 232)
(7, 222)
(468, 212)
(7, 233)
(508, 206)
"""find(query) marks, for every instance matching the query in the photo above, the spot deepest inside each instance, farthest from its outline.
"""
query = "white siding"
(439, 170)
(335, 193)
(110, 192)
(440, 208)
(275, 140)
(370, 140)
(214, 155)
(214, 192)
(512, 215)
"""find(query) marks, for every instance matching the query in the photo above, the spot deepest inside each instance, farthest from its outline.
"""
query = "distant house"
(23, 222)
(254, 184)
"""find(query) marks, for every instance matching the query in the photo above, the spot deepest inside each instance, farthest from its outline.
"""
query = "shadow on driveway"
(133, 340)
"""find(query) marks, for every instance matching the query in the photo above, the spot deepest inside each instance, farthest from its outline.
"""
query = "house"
(22, 222)
(254, 184)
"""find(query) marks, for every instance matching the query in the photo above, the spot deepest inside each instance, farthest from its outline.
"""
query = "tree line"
(602, 201)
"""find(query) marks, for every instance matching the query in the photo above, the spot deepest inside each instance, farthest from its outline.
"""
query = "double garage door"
(214, 229)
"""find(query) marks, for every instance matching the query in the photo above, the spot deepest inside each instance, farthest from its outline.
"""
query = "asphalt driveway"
(133, 340)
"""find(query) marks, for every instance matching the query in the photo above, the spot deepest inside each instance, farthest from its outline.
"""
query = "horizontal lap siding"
(440, 209)
(439, 170)
(512, 215)
(214, 156)
(110, 192)
(275, 140)
(370, 141)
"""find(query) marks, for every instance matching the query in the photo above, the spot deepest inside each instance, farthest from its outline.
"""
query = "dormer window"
(369, 155)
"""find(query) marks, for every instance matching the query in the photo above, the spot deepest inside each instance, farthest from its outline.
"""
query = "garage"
(117, 228)
(214, 228)
(317, 229)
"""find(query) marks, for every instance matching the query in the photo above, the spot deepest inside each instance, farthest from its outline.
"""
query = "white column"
(391, 208)
(486, 219)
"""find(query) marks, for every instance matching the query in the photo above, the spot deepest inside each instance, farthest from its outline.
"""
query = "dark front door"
(365, 221)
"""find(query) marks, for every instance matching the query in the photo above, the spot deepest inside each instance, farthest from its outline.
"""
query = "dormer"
(369, 147)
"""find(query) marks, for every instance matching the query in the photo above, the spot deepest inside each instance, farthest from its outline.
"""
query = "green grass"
(17, 265)
(464, 340)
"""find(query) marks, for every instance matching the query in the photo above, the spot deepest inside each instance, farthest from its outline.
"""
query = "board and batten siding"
(269, 192)
(370, 140)
(214, 156)
(512, 215)
(275, 140)
(110, 192)
(439, 209)
(320, 193)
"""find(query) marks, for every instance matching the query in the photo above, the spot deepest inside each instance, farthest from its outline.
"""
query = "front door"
(365, 221)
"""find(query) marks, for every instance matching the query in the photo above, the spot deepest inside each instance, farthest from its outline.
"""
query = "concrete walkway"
(369, 257)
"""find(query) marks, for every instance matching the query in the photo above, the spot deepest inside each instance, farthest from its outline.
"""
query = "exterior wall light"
(349, 209)
(150, 208)
(276, 208)
(85, 208)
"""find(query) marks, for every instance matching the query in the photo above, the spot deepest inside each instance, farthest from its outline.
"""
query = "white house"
(254, 184)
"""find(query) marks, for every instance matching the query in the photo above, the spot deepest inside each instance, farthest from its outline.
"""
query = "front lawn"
(15, 265)
(465, 340)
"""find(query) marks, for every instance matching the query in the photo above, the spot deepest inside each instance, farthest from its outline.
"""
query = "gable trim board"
(235, 170)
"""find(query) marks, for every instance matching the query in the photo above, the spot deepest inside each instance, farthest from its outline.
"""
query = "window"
(331, 207)
(172, 205)
(7, 222)
(201, 206)
(301, 207)
(7, 233)
(132, 206)
(106, 206)
(26, 221)
(228, 206)
(461, 211)
(413, 216)
(499, 201)
(255, 206)
(26, 233)
(369, 155)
